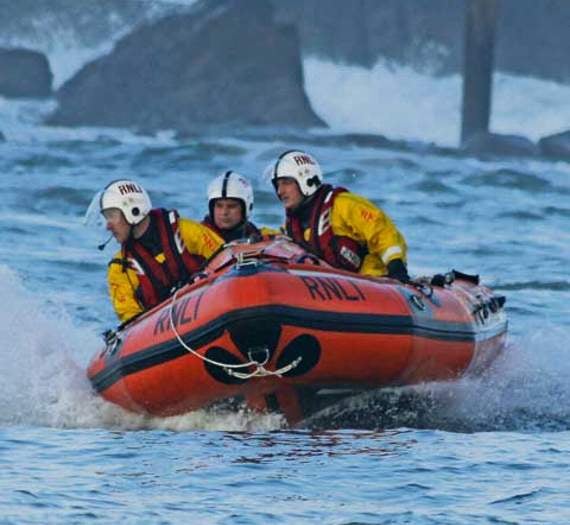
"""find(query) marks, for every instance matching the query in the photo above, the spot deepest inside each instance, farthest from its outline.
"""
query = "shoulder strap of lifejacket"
(121, 262)
(339, 251)
(319, 222)
(167, 223)
(156, 281)
(294, 226)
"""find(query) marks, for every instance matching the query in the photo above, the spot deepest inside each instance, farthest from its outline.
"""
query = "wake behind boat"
(279, 328)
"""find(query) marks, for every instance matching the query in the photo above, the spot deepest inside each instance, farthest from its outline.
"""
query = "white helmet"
(300, 166)
(129, 197)
(231, 185)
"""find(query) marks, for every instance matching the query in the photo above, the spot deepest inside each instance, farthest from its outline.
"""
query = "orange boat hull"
(302, 326)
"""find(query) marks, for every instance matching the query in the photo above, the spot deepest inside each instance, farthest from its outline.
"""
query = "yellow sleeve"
(356, 217)
(122, 286)
(199, 239)
(269, 232)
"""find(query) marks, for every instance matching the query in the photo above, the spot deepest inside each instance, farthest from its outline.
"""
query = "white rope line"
(260, 370)
(191, 350)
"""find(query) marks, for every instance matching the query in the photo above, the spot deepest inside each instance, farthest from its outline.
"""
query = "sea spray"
(525, 389)
(401, 103)
(44, 356)
(43, 381)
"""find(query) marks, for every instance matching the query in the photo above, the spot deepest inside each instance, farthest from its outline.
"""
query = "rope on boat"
(260, 370)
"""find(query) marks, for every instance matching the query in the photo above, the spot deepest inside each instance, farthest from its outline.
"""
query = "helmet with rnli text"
(231, 185)
(129, 197)
(300, 166)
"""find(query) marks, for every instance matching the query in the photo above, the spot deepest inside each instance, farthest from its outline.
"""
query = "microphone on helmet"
(103, 245)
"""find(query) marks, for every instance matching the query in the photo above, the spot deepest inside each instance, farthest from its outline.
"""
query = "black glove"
(397, 270)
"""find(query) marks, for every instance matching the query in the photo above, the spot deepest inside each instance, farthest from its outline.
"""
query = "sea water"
(493, 449)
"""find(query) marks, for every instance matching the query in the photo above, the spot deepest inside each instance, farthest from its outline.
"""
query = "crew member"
(343, 228)
(159, 249)
(230, 203)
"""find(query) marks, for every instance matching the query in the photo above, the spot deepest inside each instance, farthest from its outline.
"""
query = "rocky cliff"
(225, 63)
(24, 74)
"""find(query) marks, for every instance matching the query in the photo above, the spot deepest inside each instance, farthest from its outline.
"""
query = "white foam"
(527, 386)
(401, 103)
(40, 370)
(44, 356)
(397, 102)
(21, 122)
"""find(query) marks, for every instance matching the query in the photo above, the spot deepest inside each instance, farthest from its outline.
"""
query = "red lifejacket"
(243, 232)
(158, 279)
(337, 250)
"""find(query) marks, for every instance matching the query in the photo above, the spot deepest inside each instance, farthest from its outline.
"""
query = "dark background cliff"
(533, 36)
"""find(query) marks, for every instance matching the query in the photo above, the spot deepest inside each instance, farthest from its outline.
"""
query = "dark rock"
(557, 145)
(500, 145)
(24, 74)
(226, 63)
(426, 35)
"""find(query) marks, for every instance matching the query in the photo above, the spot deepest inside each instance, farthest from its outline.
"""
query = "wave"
(526, 389)
(44, 383)
(395, 101)
(510, 178)
(401, 103)
(556, 286)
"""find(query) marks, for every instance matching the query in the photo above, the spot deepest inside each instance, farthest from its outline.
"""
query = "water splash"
(377, 100)
(526, 389)
(42, 379)
(44, 356)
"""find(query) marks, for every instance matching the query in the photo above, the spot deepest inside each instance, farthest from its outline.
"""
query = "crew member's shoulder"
(186, 224)
(191, 223)
(117, 259)
(194, 230)
(349, 198)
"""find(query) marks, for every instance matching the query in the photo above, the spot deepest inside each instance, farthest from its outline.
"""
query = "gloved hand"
(397, 270)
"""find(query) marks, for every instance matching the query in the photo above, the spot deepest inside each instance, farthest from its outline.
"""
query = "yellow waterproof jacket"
(123, 280)
(356, 217)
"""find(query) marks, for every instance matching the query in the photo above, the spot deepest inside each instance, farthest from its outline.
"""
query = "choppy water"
(488, 450)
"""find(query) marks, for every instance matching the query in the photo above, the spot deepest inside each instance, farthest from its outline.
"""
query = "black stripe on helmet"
(279, 159)
(225, 184)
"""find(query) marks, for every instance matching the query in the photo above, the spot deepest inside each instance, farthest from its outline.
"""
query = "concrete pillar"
(480, 25)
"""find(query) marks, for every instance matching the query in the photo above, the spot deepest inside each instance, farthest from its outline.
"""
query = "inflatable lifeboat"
(276, 327)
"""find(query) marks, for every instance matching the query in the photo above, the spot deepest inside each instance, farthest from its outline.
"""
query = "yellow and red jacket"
(139, 280)
(348, 232)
